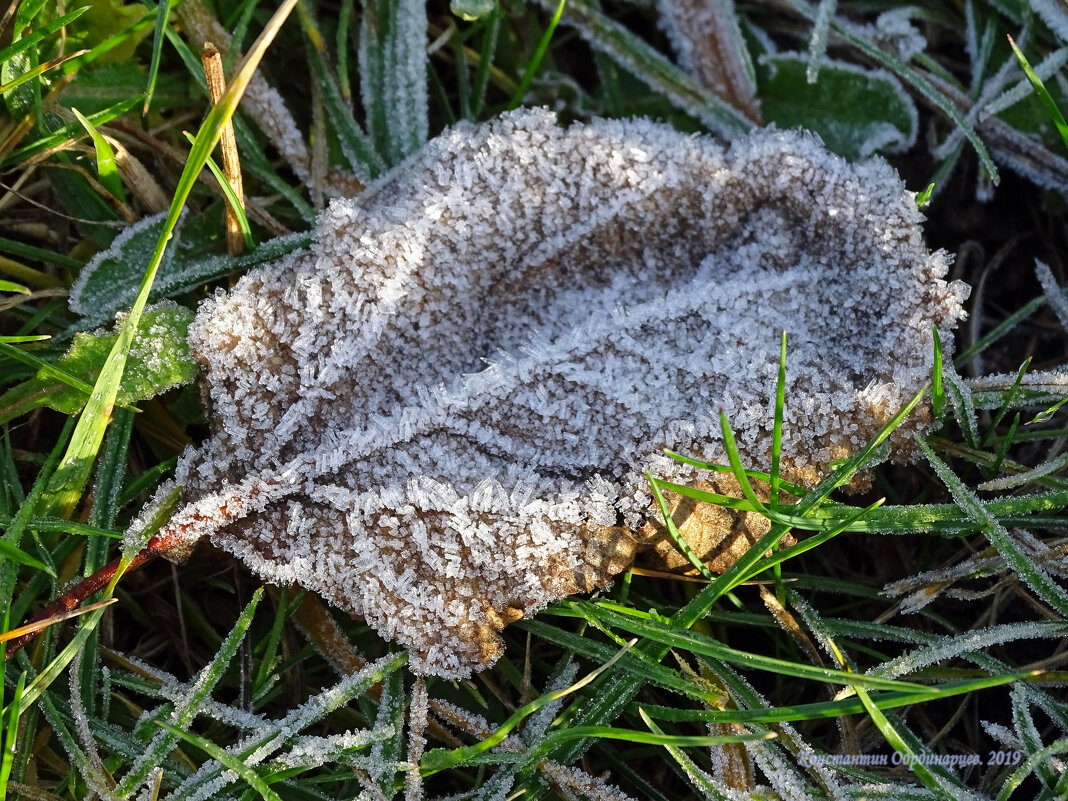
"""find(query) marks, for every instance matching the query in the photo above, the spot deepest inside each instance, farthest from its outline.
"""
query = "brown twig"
(231, 163)
(86, 588)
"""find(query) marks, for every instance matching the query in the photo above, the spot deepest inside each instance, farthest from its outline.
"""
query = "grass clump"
(928, 625)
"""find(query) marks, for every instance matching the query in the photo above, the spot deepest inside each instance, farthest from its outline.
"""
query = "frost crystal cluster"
(439, 415)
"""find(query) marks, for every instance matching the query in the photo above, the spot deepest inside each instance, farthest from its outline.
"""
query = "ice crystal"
(439, 416)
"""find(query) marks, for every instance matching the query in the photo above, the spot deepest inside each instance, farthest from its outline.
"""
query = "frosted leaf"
(439, 416)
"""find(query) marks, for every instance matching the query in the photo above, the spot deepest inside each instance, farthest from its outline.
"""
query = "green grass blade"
(1029, 765)
(900, 746)
(51, 371)
(735, 459)
(163, 10)
(535, 59)
(701, 781)
(18, 340)
(1043, 94)
(68, 482)
(676, 535)
(829, 709)
(28, 510)
(106, 170)
(440, 759)
(923, 199)
(938, 393)
(90, 621)
(40, 69)
(776, 428)
(7, 757)
(634, 663)
(69, 131)
(9, 551)
(666, 634)
(1010, 398)
(32, 40)
(491, 30)
(1006, 442)
(231, 197)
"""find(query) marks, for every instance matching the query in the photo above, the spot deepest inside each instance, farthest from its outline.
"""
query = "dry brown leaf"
(439, 416)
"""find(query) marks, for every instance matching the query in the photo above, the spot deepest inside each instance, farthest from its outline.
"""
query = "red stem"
(85, 588)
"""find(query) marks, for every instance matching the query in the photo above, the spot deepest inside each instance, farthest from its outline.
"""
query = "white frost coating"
(112, 253)
(893, 31)
(1020, 479)
(587, 786)
(989, 391)
(439, 415)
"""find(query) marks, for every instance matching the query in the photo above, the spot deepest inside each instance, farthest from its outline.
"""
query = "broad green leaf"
(159, 359)
(856, 111)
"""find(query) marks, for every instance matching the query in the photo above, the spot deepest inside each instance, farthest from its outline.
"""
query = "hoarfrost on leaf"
(439, 416)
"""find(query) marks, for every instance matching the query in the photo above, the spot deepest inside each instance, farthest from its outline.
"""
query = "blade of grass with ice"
(910, 76)
(393, 75)
(1030, 573)
(647, 626)
(107, 172)
(68, 482)
(185, 710)
(275, 735)
(28, 510)
(225, 759)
